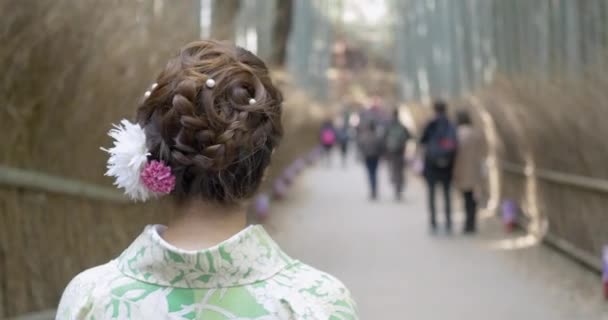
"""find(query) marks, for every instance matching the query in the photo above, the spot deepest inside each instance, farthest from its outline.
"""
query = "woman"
(467, 167)
(204, 135)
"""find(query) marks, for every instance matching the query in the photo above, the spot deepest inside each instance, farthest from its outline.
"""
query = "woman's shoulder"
(305, 272)
(327, 296)
(93, 274)
(465, 132)
(77, 297)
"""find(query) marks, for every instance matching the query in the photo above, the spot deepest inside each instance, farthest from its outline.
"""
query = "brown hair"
(440, 107)
(217, 144)
(463, 118)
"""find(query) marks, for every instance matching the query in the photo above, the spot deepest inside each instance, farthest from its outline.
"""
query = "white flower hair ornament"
(128, 164)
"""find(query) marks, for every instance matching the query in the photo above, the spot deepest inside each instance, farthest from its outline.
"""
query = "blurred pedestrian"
(328, 139)
(440, 143)
(343, 135)
(371, 147)
(395, 141)
(373, 112)
(468, 167)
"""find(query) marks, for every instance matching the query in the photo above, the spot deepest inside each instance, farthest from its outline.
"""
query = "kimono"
(246, 277)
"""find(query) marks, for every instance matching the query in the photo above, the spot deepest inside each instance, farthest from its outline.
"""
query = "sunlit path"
(397, 270)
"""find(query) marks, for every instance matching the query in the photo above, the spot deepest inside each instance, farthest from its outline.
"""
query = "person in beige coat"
(468, 167)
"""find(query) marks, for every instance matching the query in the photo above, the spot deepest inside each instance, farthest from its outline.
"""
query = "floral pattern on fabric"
(246, 277)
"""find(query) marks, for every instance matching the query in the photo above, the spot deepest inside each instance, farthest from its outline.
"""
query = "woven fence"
(70, 69)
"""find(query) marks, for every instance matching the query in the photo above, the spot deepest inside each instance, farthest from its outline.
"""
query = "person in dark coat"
(440, 143)
(371, 144)
(396, 137)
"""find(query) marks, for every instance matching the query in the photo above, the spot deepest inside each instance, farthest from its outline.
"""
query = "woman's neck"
(202, 225)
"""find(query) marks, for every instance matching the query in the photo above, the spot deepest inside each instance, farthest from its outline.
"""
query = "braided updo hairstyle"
(217, 141)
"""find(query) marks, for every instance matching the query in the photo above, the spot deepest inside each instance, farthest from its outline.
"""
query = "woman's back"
(244, 277)
(370, 142)
(467, 167)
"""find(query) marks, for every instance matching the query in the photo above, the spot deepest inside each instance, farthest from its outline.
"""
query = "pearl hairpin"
(252, 101)
(149, 92)
(210, 83)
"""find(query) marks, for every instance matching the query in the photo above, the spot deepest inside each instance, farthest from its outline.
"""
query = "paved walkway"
(397, 270)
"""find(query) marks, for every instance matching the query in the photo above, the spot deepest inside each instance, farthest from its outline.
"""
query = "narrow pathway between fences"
(396, 269)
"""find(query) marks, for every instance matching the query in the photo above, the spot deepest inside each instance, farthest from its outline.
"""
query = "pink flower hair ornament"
(157, 177)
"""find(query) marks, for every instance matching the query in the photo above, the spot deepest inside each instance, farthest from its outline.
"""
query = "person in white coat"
(468, 167)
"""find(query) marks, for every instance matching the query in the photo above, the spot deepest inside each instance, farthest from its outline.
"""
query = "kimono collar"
(247, 257)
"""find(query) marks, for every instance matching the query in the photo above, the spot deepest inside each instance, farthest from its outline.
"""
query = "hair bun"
(217, 142)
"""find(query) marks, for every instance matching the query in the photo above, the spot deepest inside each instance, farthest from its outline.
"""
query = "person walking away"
(440, 143)
(344, 135)
(371, 148)
(372, 112)
(328, 139)
(396, 139)
(343, 141)
(467, 167)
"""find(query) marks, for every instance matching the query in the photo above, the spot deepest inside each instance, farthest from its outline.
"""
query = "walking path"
(397, 270)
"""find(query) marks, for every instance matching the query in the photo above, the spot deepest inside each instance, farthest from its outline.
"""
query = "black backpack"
(441, 148)
(396, 137)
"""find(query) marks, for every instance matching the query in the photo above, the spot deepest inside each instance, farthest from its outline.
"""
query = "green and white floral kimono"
(244, 277)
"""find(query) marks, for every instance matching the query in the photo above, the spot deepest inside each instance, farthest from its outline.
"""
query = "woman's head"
(396, 114)
(214, 118)
(463, 118)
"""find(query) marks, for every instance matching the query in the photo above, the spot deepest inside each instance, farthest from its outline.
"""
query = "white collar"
(247, 257)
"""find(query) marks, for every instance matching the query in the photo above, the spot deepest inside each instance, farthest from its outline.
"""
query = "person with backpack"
(395, 141)
(440, 142)
(328, 139)
(371, 146)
